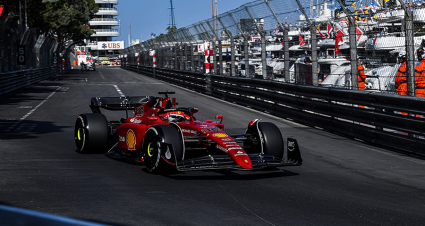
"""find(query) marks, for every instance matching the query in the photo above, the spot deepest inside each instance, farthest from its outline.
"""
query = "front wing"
(259, 161)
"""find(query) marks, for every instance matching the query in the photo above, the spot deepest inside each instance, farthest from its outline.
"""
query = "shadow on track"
(229, 174)
(27, 129)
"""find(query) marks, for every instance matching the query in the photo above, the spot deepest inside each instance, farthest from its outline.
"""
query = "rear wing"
(119, 103)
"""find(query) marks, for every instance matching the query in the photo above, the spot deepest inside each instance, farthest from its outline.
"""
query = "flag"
(374, 41)
(338, 39)
(301, 40)
(380, 16)
(377, 2)
(367, 21)
(354, 5)
(329, 29)
(320, 33)
(359, 33)
(277, 30)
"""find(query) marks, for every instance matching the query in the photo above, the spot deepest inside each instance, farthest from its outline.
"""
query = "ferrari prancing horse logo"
(131, 140)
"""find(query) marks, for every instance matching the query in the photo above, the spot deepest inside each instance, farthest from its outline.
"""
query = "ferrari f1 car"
(168, 138)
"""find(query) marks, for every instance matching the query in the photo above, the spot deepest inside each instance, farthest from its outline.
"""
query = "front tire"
(91, 133)
(162, 149)
(264, 138)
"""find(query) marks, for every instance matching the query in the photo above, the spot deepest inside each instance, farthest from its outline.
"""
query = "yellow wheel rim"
(78, 133)
(149, 150)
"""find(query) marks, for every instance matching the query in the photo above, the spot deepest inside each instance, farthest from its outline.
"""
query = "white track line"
(30, 112)
(101, 74)
(119, 91)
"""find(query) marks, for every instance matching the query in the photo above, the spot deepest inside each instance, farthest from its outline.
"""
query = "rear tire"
(91, 133)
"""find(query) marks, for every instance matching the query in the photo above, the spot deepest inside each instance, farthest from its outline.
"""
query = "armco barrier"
(333, 109)
(18, 79)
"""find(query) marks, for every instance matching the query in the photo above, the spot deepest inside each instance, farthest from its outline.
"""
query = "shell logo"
(131, 140)
(220, 135)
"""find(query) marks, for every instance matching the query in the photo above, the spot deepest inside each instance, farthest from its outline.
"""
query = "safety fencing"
(283, 35)
(25, 56)
(18, 79)
(370, 116)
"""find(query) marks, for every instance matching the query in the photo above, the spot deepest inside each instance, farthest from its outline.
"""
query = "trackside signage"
(110, 45)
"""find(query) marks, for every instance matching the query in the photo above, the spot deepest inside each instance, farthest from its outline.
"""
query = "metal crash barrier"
(18, 79)
(369, 116)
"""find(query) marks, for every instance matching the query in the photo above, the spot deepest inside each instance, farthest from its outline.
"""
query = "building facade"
(105, 24)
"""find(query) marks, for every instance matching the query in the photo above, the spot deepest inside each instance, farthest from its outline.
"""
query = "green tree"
(171, 29)
(59, 19)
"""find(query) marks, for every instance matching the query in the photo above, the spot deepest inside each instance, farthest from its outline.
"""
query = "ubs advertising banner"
(110, 45)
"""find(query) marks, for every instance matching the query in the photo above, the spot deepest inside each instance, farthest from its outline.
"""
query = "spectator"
(401, 79)
(420, 73)
(361, 76)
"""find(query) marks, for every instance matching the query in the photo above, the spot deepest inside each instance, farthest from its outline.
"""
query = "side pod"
(294, 154)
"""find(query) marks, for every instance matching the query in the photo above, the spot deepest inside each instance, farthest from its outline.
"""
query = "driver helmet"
(175, 116)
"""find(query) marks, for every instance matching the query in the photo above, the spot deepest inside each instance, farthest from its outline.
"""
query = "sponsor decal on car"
(122, 139)
(131, 140)
(188, 131)
(226, 139)
(234, 148)
(240, 153)
(134, 120)
(291, 145)
(220, 135)
(168, 153)
(219, 147)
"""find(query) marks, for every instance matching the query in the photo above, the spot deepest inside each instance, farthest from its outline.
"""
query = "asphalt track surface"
(342, 181)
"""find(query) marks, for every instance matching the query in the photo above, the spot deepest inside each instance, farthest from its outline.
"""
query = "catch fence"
(25, 57)
(277, 39)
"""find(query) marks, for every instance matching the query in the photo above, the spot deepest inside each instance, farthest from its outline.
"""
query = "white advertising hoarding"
(110, 45)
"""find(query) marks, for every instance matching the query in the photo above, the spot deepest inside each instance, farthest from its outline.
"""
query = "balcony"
(115, 2)
(107, 11)
(104, 21)
(106, 32)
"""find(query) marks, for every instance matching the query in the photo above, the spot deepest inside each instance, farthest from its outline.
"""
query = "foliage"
(60, 19)
(171, 29)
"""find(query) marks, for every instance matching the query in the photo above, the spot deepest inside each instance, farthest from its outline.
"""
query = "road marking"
(101, 74)
(243, 206)
(119, 91)
(32, 111)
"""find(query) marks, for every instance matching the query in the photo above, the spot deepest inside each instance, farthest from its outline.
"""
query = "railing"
(370, 116)
(103, 19)
(115, 2)
(18, 79)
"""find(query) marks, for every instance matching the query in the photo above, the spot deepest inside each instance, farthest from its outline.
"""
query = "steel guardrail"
(337, 110)
(12, 81)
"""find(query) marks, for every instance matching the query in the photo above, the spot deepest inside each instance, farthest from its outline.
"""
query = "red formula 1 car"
(168, 138)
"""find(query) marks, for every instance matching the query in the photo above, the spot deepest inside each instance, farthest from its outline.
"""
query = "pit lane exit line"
(32, 111)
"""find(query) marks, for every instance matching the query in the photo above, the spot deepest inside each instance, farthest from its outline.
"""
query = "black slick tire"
(91, 133)
(162, 149)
